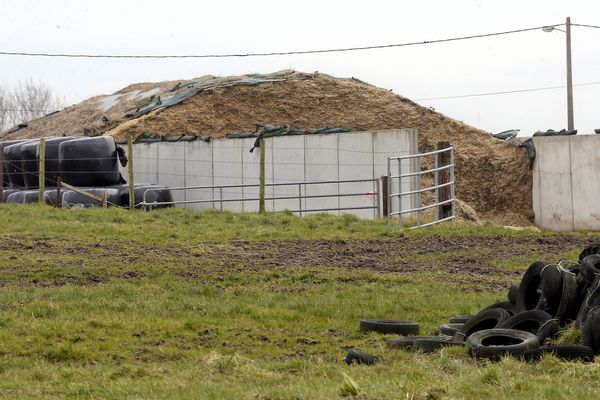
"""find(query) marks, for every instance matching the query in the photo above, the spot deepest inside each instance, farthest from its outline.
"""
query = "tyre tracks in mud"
(471, 258)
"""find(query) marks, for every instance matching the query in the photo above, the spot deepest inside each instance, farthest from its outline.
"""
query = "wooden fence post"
(445, 193)
(42, 170)
(384, 194)
(58, 196)
(130, 170)
(261, 202)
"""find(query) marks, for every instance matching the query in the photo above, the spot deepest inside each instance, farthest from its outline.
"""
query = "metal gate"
(443, 187)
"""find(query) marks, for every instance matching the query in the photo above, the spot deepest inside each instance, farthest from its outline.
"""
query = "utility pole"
(570, 121)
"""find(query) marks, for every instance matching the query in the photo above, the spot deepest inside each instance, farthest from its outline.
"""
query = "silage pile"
(493, 177)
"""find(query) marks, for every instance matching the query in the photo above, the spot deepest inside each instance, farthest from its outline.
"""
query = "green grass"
(77, 326)
(177, 225)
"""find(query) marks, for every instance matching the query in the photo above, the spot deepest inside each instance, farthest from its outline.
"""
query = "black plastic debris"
(552, 132)
(506, 135)
(530, 147)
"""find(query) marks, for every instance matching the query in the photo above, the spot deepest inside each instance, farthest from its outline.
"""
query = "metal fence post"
(42, 171)
(399, 195)
(130, 170)
(261, 201)
(300, 198)
(417, 167)
(384, 195)
(221, 196)
(436, 182)
(444, 159)
(453, 186)
(388, 200)
(376, 189)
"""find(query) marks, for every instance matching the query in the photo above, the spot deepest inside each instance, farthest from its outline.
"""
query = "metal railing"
(444, 198)
(301, 195)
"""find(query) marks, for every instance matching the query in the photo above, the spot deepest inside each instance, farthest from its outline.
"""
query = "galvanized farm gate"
(443, 187)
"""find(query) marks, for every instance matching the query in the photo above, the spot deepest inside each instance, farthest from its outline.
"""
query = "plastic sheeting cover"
(506, 135)
(530, 147)
(552, 132)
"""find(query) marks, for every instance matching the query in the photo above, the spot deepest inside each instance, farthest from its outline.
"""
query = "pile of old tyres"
(549, 298)
(88, 163)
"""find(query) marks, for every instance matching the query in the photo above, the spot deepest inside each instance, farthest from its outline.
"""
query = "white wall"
(566, 182)
(290, 159)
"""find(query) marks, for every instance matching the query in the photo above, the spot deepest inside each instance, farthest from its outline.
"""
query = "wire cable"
(587, 26)
(276, 53)
(506, 92)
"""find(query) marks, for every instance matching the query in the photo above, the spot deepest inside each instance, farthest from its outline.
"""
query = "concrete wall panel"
(288, 159)
(556, 201)
(356, 162)
(171, 167)
(145, 165)
(321, 155)
(227, 159)
(198, 167)
(393, 144)
(585, 173)
(287, 166)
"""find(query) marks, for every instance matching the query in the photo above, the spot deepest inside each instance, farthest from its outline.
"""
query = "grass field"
(111, 304)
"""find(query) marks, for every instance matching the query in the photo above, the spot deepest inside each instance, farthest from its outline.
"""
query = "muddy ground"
(474, 263)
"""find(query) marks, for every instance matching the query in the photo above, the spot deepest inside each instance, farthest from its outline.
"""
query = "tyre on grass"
(460, 319)
(591, 330)
(389, 326)
(538, 322)
(512, 293)
(449, 329)
(426, 344)
(591, 300)
(509, 306)
(593, 248)
(566, 353)
(529, 295)
(495, 343)
(486, 319)
(570, 300)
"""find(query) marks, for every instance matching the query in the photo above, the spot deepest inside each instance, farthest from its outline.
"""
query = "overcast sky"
(509, 62)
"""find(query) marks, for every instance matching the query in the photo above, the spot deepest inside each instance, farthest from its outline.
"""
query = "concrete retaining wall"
(306, 158)
(566, 182)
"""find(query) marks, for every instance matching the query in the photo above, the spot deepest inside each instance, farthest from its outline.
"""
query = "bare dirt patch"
(469, 260)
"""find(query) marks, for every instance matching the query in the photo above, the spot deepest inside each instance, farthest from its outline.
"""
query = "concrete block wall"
(306, 158)
(566, 182)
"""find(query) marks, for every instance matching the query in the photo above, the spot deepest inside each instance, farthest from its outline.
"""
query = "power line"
(276, 53)
(23, 110)
(430, 98)
(587, 26)
(506, 92)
